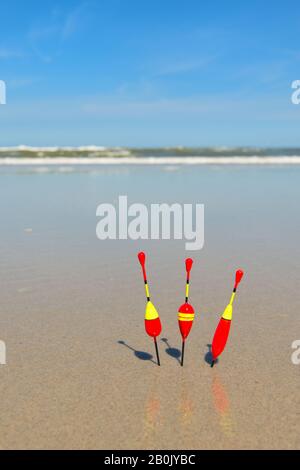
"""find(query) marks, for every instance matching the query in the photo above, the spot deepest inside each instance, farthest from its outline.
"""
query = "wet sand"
(80, 370)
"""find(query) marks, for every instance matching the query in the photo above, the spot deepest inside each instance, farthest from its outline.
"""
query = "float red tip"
(188, 264)
(142, 258)
(238, 277)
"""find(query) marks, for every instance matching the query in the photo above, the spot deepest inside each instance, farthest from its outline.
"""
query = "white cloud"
(22, 82)
(183, 66)
(10, 53)
(74, 20)
(47, 39)
(213, 108)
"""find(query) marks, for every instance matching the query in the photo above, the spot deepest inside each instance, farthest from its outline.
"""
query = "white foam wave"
(28, 148)
(188, 160)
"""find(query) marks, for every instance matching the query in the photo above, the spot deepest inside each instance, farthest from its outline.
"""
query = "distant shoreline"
(96, 155)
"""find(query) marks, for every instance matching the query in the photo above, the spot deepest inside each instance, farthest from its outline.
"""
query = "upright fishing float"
(152, 320)
(186, 312)
(223, 328)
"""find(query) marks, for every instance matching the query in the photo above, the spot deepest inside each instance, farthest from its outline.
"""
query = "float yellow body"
(227, 314)
(147, 290)
(187, 290)
(151, 312)
(186, 316)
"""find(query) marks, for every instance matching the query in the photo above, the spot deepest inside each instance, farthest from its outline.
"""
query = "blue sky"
(149, 73)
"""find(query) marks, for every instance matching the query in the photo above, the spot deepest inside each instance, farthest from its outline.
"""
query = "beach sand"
(81, 372)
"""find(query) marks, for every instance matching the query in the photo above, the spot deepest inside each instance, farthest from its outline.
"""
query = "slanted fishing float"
(152, 320)
(223, 328)
(186, 312)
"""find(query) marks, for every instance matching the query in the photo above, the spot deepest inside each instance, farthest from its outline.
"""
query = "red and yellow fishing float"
(186, 312)
(152, 320)
(223, 328)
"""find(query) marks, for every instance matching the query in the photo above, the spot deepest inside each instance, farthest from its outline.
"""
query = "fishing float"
(152, 320)
(222, 332)
(186, 312)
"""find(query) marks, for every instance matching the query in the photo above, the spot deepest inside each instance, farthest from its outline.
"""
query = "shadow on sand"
(209, 357)
(142, 355)
(173, 352)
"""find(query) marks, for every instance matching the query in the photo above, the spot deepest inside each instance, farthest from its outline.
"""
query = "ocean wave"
(190, 160)
(28, 148)
(23, 151)
(92, 154)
